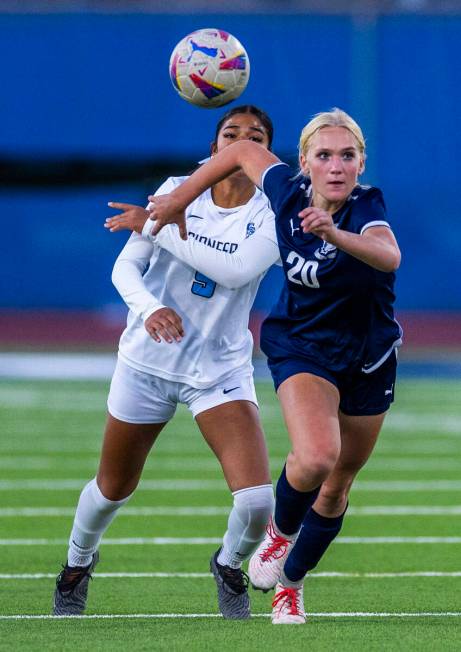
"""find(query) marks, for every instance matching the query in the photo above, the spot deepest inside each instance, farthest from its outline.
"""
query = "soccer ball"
(209, 68)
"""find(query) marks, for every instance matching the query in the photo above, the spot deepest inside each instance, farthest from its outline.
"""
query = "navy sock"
(316, 534)
(291, 505)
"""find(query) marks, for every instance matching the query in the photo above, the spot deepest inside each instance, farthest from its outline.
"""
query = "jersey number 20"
(302, 272)
(203, 286)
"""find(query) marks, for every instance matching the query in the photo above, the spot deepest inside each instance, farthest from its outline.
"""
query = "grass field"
(392, 581)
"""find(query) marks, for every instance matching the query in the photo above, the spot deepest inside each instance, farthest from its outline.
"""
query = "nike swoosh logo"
(77, 546)
(199, 217)
(226, 391)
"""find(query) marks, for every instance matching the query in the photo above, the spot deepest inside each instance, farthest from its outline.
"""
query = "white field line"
(126, 511)
(145, 485)
(421, 424)
(333, 614)
(324, 575)
(213, 485)
(365, 510)
(418, 447)
(77, 444)
(163, 541)
(404, 510)
(431, 422)
(20, 463)
(390, 464)
(64, 399)
(60, 366)
(407, 485)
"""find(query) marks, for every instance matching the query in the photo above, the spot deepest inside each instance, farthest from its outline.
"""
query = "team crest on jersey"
(293, 227)
(326, 251)
(250, 229)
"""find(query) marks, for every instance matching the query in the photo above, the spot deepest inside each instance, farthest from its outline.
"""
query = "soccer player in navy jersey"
(330, 339)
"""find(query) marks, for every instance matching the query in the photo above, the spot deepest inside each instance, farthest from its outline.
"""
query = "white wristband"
(147, 228)
(153, 307)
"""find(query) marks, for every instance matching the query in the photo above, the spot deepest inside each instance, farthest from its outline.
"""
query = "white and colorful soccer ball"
(209, 68)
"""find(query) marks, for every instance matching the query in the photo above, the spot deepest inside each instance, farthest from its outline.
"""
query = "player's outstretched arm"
(376, 247)
(252, 258)
(246, 155)
(132, 217)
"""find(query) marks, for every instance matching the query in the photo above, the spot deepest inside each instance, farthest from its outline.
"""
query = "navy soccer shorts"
(360, 394)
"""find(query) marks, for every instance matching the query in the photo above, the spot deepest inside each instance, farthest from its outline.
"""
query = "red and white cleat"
(288, 606)
(267, 561)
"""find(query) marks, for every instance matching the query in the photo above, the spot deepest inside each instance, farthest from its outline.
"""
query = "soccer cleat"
(288, 606)
(72, 589)
(232, 584)
(267, 561)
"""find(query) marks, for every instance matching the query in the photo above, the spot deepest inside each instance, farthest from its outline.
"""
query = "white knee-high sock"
(93, 516)
(246, 525)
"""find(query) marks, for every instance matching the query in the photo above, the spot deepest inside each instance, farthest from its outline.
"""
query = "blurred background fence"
(88, 115)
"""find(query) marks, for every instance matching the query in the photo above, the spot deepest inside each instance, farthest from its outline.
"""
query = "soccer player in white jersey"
(186, 341)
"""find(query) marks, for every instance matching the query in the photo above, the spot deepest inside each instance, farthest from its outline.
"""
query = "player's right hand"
(132, 217)
(165, 324)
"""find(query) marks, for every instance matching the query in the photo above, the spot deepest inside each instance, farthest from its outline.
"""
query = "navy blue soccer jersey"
(333, 309)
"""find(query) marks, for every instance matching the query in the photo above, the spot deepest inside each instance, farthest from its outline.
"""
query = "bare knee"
(309, 468)
(124, 452)
(114, 488)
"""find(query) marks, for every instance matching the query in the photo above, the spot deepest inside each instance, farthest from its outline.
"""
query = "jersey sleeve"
(279, 186)
(167, 186)
(253, 257)
(127, 276)
(369, 211)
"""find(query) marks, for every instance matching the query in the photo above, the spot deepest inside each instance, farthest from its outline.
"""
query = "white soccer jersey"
(217, 342)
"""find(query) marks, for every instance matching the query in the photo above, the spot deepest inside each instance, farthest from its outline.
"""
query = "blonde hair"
(333, 118)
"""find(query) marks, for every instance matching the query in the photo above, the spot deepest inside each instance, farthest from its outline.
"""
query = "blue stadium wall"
(96, 87)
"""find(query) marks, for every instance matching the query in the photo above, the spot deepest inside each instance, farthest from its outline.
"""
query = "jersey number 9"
(203, 286)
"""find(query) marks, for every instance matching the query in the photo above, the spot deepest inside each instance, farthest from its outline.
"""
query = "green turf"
(52, 433)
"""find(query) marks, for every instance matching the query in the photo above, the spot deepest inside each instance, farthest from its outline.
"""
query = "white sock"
(93, 516)
(246, 525)
(284, 581)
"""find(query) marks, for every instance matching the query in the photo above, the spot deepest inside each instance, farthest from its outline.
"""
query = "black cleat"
(232, 584)
(72, 589)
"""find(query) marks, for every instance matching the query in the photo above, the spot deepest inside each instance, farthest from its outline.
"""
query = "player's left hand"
(165, 324)
(165, 209)
(132, 218)
(317, 221)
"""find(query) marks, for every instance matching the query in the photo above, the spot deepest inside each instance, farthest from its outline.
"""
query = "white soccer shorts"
(138, 397)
